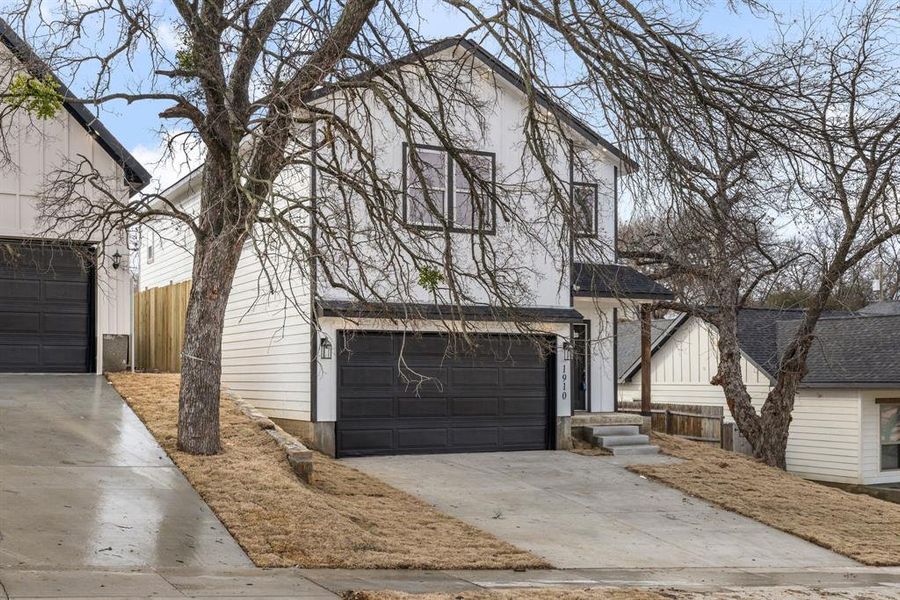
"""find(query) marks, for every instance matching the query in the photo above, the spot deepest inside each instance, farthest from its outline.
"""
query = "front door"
(581, 357)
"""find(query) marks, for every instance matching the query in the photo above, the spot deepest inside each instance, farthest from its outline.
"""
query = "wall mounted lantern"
(567, 350)
(117, 260)
(325, 348)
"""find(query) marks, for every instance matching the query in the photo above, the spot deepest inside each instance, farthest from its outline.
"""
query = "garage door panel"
(422, 407)
(475, 401)
(368, 407)
(478, 406)
(62, 355)
(368, 376)
(422, 438)
(12, 289)
(65, 291)
(467, 377)
(19, 354)
(20, 322)
(57, 323)
(521, 436)
(518, 405)
(524, 377)
(475, 437)
(46, 308)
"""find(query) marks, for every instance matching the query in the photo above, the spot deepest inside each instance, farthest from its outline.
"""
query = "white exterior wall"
(832, 435)
(682, 368)
(173, 244)
(38, 148)
(539, 265)
(870, 440)
(601, 372)
(266, 342)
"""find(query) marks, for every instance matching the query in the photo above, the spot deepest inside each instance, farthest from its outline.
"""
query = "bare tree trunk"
(198, 401)
(216, 255)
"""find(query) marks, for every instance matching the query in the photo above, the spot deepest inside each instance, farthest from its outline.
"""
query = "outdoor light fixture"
(325, 348)
(567, 350)
(117, 260)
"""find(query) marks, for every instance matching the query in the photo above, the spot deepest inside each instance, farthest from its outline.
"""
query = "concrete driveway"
(590, 512)
(84, 484)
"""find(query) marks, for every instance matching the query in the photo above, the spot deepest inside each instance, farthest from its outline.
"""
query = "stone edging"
(299, 456)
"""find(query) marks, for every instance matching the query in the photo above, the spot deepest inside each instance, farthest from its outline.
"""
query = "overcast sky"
(136, 125)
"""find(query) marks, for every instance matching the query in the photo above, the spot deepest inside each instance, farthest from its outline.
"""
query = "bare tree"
(810, 177)
(271, 89)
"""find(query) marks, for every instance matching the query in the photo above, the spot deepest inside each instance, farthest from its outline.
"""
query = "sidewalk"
(321, 584)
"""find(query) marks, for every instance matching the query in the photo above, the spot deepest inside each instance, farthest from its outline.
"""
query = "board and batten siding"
(870, 446)
(824, 438)
(682, 368)
(38, 148)
(266, 341)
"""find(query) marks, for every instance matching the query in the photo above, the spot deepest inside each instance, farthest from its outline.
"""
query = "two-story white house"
(388, 376)
(65, 297)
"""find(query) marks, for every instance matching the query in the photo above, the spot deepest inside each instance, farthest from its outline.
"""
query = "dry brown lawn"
(779, 593)
(861, 527)
(344, 518)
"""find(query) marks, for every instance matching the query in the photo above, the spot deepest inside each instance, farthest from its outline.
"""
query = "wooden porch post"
(646, 322)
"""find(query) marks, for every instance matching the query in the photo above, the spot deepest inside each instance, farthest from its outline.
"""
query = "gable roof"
(850, 350)
(504, 72)
(136, 176)
(628, 343)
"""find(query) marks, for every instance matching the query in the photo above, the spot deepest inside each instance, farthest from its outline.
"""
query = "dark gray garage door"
(45, 310)
(495, 398)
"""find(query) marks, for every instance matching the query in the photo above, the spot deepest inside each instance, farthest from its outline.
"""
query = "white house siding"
(537, 265)
(683, 367)
(37, 149)
(173, 250)
(266, 336)
(266, 342)
(870, 446)
(824, 438)
(601, 376)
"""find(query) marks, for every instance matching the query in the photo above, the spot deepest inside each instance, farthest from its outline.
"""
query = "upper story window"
(584, 206)
(461, 197)
(150, 252)
(890, 436)
(426, 176)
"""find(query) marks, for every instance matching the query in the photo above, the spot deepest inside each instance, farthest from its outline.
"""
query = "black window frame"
(449, 216)
(580, 233)
(881, 405)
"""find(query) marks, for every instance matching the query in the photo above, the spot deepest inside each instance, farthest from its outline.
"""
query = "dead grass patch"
(343, 519)
(861, 527)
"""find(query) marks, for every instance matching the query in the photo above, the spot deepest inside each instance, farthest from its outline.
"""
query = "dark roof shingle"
(615, 281)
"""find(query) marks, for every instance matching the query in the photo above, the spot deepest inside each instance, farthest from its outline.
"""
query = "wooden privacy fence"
(695, 422)
(159, 327)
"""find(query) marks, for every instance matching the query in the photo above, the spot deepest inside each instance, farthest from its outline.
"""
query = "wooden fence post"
(668, 421)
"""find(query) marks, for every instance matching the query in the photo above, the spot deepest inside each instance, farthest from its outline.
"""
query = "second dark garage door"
(494, 398)
(46, 308)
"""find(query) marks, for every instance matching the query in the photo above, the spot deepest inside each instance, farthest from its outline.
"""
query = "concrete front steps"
(621, 440)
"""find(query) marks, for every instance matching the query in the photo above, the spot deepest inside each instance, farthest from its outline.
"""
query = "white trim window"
(889, 432)
(474, 212)
(150, 252)
(425, 175)
(584, 204)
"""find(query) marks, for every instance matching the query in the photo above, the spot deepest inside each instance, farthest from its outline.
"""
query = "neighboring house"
(846, 419)
(64, 306)
(330, 373)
